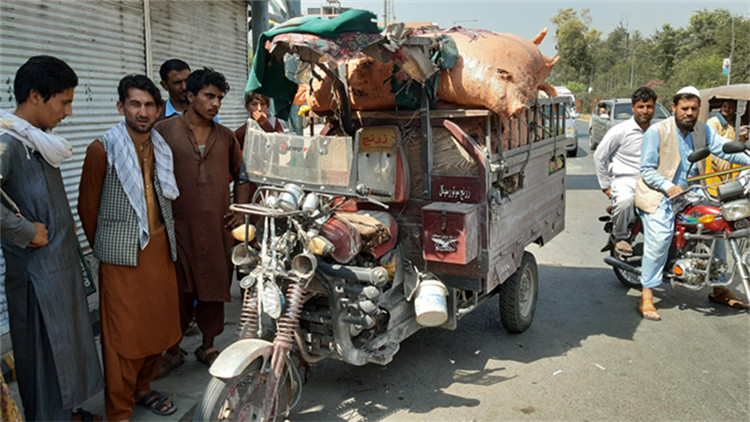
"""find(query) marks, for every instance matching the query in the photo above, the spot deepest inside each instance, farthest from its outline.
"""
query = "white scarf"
(122, 155)
(54, 149)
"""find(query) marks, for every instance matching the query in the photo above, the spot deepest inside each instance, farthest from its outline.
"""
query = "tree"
(574, 45)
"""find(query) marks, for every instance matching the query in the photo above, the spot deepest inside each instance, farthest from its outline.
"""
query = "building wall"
(105, 40)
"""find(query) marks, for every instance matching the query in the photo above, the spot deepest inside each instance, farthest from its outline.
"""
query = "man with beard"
(174, 73)
(205, 155)
(124, 202)
(664, 173)
(618, 161)
(56, 359)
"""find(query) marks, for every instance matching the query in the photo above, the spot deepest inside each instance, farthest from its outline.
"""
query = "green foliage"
(669, 58)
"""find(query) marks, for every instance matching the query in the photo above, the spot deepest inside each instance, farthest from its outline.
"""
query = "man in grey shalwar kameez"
(56, 359)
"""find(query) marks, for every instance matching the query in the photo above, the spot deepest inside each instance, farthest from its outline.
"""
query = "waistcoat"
(116, 238)
(648, 199)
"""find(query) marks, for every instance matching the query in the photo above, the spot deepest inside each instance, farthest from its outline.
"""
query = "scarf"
(121, 154)
(54, 149)
(722, 120)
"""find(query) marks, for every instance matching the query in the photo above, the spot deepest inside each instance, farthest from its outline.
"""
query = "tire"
(223, 401)
(627, 278)
(518, 296)
(592, 144)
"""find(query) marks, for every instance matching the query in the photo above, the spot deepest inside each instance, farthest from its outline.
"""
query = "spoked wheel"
(630, 279)
(241, 398)
(518, 296)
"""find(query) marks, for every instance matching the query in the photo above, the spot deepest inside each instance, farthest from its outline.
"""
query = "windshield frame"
(265, 179)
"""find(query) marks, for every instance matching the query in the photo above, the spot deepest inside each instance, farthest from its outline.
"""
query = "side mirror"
(698, 155)
(604, 116)
(733, 147)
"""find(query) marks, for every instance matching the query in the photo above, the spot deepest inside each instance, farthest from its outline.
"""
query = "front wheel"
(518, 296)
(241, 398)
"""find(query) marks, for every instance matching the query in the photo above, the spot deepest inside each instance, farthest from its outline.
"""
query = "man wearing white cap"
(664, 167)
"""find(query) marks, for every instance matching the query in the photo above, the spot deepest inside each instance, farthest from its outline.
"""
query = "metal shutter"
(207, 34)
(102, 41)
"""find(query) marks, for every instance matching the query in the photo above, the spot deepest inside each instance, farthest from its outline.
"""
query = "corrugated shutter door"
(102, 41)
(202, 37)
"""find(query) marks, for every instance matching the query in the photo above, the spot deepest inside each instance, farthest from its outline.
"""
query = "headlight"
(273, 300)
(571, 130)
(736, 210)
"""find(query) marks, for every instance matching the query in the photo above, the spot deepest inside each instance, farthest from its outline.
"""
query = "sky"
(526, 18)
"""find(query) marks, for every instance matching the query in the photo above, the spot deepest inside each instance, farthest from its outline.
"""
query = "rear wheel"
(627, 278)
(518, 296)
(241, 398)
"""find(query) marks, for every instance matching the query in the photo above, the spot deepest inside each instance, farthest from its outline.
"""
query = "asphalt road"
(587, 356)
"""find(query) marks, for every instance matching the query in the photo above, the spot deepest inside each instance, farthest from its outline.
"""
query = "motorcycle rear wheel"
(240, 398)
(627, 278)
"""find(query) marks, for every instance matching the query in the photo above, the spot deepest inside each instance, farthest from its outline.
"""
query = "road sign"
(726, 66)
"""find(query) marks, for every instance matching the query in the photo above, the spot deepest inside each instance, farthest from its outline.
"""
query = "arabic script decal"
(461, 193)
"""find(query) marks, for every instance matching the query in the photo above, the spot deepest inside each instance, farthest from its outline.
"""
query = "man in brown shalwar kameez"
(205, 155)
(124, 204)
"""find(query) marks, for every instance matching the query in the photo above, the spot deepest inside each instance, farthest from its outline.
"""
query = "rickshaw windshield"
(317, 163)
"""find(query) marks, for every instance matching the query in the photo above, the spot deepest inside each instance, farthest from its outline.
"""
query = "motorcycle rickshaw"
(390, 222)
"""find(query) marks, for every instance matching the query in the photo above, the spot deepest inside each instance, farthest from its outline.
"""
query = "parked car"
(610, 112)
(571, 133)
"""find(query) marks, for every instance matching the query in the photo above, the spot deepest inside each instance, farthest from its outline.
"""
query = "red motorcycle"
(701, 221)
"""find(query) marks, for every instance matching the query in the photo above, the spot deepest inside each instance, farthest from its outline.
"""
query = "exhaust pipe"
(609, 260)
(304, 265)
(376, 275)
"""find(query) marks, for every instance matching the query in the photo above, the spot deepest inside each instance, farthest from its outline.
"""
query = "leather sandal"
(170, 362)
(207, 356)
(726, 297)
(648, 310)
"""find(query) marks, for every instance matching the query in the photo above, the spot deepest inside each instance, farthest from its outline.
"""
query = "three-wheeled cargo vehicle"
(390, 222)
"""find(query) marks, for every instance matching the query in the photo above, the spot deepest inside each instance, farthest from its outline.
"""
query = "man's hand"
(674, 190)
(40, 238)
(608, 192)
(232, 220)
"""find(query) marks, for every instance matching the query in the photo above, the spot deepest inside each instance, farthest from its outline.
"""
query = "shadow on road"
(573, 305)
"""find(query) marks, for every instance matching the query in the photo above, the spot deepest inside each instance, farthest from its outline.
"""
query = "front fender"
(232, 361)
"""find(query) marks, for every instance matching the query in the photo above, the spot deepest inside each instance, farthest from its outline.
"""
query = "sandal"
(648, 310)
(726, 297)
(170, 362)
(623, 248)
(155, 402)
(86, 416)
(206, 357)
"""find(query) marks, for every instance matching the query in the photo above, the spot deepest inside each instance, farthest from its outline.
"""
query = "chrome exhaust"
(304, 265)
(610, 260)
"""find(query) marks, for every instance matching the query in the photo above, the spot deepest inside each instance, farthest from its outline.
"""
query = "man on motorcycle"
(618, 161)
(664, 173)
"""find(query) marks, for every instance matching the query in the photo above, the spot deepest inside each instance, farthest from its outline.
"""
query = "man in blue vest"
(664, 166)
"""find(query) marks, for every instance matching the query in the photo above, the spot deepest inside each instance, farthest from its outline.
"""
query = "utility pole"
(632, 65)
(731, 51)
(385, 13)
